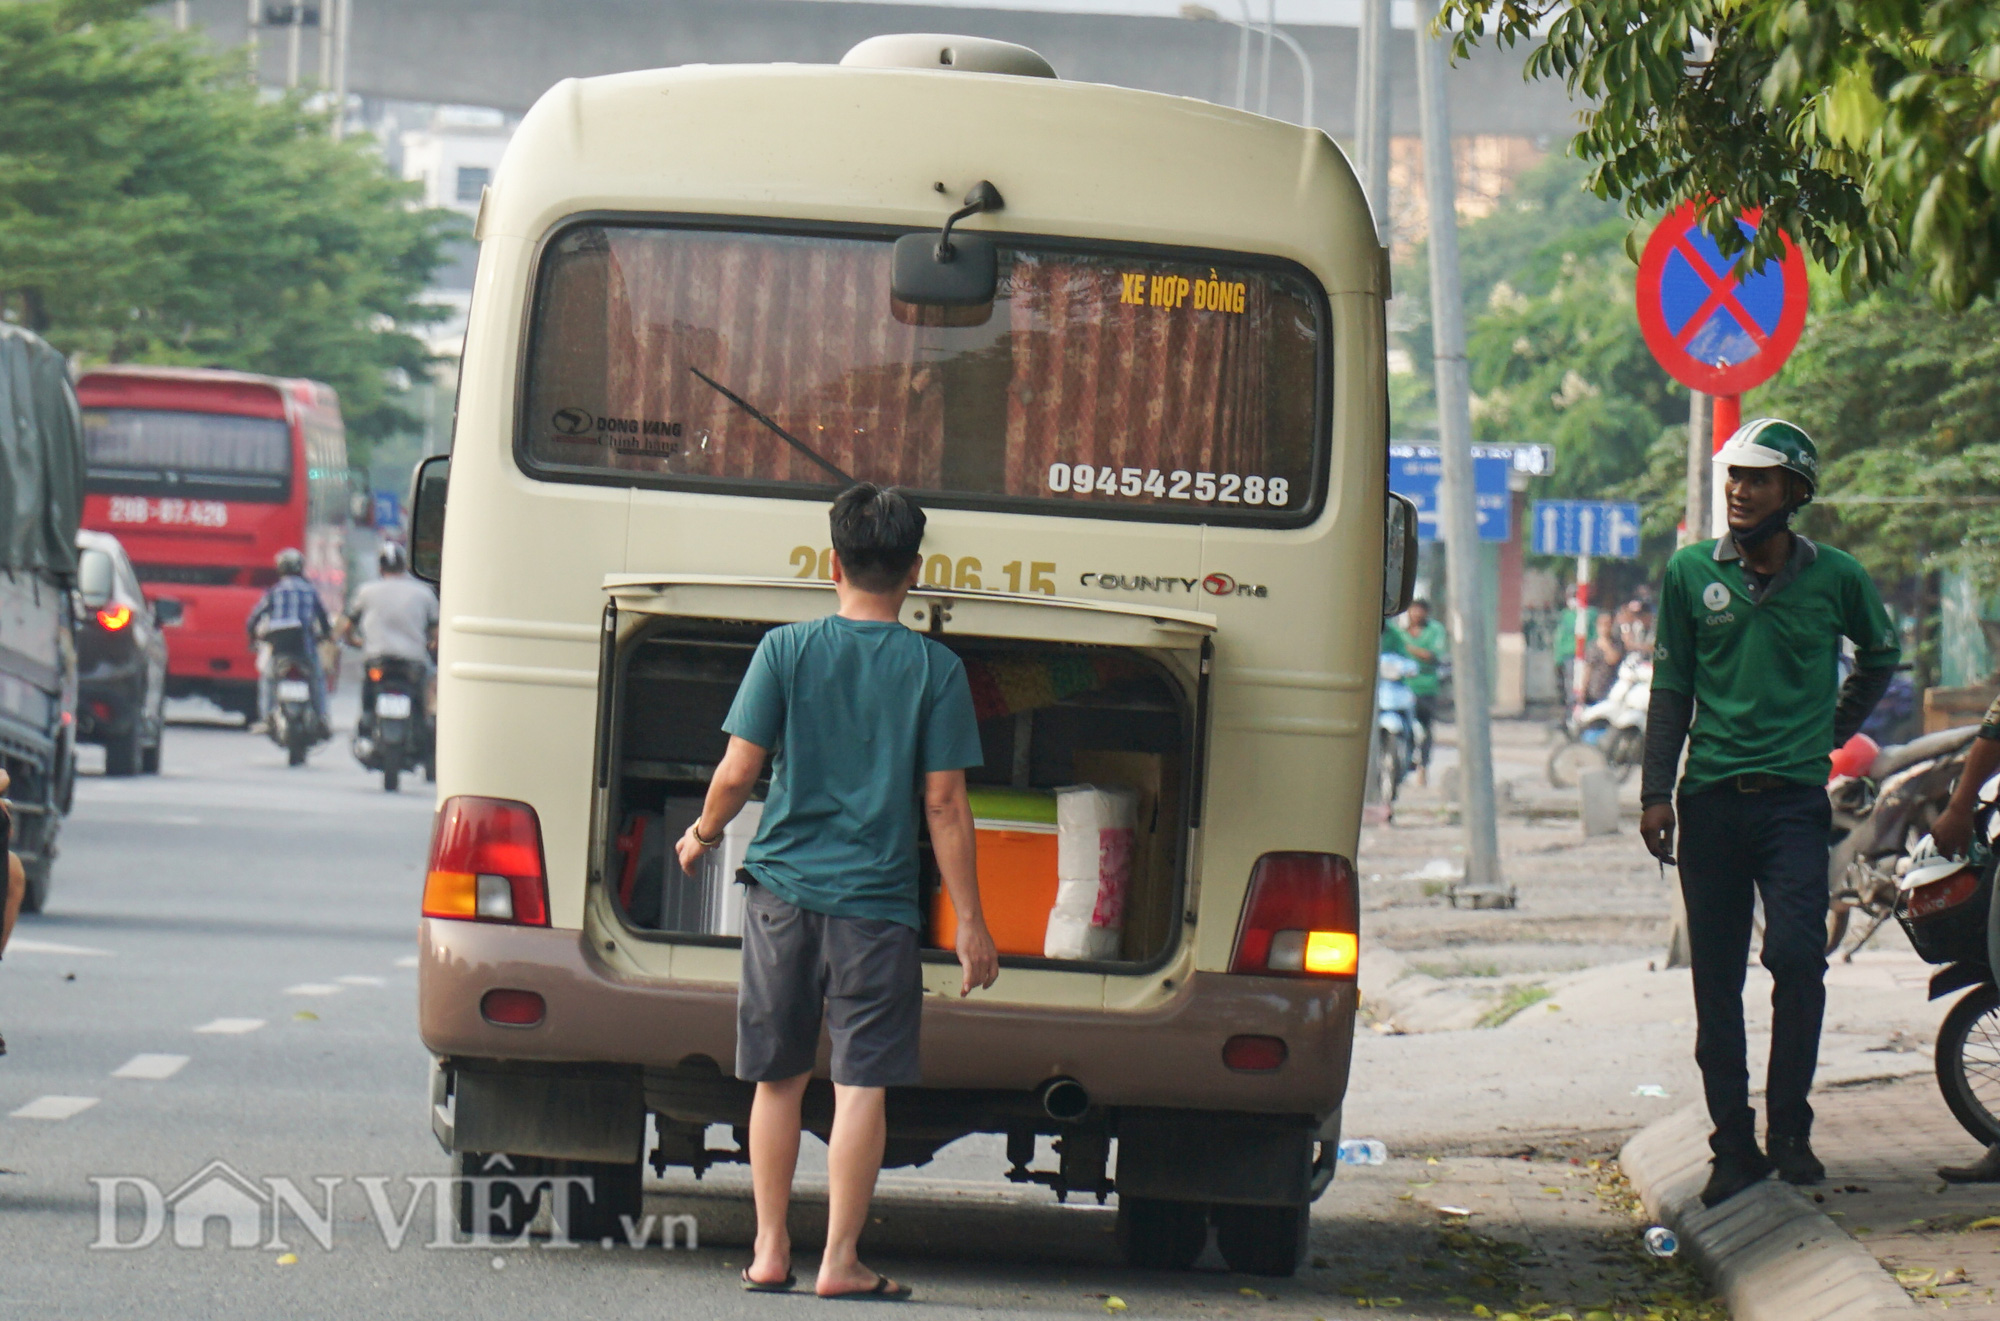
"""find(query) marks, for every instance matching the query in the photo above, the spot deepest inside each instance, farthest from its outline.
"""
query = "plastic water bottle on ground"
(1362, 1151)
(1660, 1241)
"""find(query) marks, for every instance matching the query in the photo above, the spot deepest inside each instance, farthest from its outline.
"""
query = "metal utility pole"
(1270, 26)
(253, 17)
(1695, 513)
(340, 69)
(1473, 701)
(292, 44)
(327, 10)
(1371, 111)
(180, 15)
(1243, 57)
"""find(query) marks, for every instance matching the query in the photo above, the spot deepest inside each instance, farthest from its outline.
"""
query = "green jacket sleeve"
(1673, 640)
(1876, 646)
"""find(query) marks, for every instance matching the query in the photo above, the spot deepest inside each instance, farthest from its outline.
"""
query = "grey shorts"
(863, 973)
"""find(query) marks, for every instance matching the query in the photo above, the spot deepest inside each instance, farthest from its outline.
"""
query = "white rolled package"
(1094, 829)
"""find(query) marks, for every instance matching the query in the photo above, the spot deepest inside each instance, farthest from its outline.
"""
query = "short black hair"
(878, 533)
(1420, 601)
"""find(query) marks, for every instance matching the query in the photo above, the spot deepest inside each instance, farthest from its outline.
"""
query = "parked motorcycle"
(1881, 811)
(1395, 725)
(1941, 904)
(293, 723)
(394, 733)
(1607, 735)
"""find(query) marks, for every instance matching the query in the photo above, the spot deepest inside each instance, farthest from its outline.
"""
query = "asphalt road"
(225, 974)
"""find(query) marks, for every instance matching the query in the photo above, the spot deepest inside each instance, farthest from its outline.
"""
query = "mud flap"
(564, 1117)
(1201, 1156)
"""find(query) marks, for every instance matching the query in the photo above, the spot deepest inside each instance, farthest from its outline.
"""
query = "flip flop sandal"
(785, 1285)
(886, 1290)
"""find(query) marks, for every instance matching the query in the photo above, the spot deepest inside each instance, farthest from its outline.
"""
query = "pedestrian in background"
(1745, 664)
(1424, 641)
(1601, 660)
(860, 710)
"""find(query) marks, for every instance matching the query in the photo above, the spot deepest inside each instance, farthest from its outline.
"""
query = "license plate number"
(294, 690)
(393, 706)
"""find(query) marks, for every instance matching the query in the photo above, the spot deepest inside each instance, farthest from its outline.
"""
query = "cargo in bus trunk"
(1105, 725)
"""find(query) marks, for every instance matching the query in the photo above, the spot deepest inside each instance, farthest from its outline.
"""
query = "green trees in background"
(1868, 129)
(1556, 354)
(153, 208)
(1904, 402)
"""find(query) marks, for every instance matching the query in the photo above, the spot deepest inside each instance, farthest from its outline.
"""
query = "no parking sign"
(1712, 329)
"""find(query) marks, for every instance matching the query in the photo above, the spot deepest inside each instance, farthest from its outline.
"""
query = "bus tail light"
(1301, 918)
(486, 863)
(114, 617)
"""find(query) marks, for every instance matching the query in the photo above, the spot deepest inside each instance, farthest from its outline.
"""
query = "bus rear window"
(222, 456)
(1100, 382)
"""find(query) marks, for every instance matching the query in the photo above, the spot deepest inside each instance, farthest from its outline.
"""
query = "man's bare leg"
(774, 1155)
(853, 1159)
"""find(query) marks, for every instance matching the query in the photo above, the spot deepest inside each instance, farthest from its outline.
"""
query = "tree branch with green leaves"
(1869, 130)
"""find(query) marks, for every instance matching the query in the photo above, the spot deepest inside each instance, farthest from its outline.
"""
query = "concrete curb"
(1770, 1252)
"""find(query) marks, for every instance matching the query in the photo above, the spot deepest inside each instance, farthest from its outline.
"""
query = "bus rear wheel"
(1263, 1240)
(1156, 1234)
(496, 1195)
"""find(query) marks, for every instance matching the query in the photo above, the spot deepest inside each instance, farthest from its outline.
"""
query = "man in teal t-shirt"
(1424, 641)
(861, 710)
(1745, 667)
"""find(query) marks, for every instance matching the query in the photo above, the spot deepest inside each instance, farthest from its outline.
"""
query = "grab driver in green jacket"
(1746, 669)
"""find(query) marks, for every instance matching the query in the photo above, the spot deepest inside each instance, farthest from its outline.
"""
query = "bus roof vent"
(934, 50)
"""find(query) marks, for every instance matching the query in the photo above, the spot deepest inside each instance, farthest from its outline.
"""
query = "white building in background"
(454, 156)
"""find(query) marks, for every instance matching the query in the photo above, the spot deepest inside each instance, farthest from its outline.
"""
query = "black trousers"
(1427, 714)
(1733, 845)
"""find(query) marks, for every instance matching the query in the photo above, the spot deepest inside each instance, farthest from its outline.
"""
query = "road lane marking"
(313, 988)
(153, 1068)
(231, 1026)
(21, 944)
(407, 961)
(356, 979)
(54, 1107)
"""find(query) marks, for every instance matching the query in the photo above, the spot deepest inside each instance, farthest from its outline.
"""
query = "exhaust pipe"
(1064, 1099)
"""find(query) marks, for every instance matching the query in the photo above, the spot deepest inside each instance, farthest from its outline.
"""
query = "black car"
(121, 659)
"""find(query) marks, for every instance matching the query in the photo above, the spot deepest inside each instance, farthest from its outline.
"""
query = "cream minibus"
(1128, 351)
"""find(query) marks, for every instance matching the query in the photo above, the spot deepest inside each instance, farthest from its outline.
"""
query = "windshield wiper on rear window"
(781, 433)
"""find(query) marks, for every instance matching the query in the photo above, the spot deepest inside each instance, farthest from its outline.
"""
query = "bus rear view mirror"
(948, 270)
(1399, 555)
(427, 518)
(93, 577)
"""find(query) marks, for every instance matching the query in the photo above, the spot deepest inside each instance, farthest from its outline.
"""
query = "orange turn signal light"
(115, 617)
(1334, 952)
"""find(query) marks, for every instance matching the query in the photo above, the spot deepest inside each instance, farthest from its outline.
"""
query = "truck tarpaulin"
(41, 457)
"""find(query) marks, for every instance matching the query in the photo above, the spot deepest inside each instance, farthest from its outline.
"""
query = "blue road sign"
(388, 510)
(1417, 475)
(1586, 527)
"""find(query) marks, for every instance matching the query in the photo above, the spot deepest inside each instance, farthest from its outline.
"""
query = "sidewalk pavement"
(1882, 1145)
(1882, 1238)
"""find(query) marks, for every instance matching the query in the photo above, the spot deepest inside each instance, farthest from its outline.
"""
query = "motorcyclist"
(1424, 641)
(1951, 833)
(291, 602)
(393, 617)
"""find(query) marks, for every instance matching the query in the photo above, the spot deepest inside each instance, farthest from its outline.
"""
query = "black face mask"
(1765, 530)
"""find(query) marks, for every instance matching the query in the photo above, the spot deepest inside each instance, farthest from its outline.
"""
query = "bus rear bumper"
(1168, 1056)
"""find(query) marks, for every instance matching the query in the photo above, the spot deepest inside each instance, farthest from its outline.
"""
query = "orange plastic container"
(1017, 887)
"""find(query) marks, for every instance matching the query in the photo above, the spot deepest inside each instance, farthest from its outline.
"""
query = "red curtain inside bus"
(1096, 361)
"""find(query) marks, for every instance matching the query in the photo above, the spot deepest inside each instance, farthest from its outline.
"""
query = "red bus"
(205, 476)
